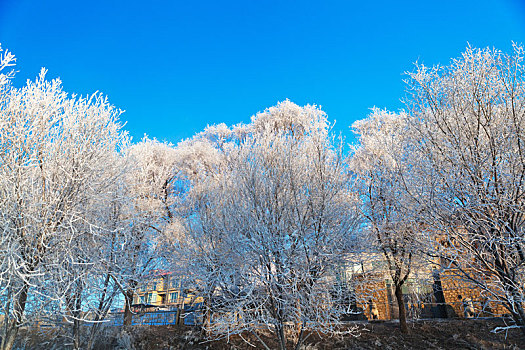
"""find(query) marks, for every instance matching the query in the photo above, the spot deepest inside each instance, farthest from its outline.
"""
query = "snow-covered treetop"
(380, 138)
(7, 59)
(287, 117)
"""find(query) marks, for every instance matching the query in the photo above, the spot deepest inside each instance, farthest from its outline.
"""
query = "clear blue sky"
(176, 66)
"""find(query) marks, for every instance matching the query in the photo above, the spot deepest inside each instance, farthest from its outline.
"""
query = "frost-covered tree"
(382, 164)
(59, 163)
(269, 215)
(103, 284)
(469, 120)
(151, 193)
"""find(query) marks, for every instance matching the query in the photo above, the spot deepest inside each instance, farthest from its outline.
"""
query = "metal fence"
(189, 317)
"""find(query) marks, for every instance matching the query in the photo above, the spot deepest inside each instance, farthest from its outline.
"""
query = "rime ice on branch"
(270, 212)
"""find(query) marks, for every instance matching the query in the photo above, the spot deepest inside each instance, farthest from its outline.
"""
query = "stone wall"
(455, 289)
(372, 286)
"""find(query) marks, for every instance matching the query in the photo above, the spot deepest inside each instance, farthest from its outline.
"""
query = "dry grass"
(432, 334)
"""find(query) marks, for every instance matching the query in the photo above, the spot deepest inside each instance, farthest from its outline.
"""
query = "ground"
(432, 334)
(424, 334)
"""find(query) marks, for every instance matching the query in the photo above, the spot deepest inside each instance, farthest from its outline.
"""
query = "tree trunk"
(76, 320)
(520, 324)
(301, 338)
(128, 316)
(518, 315)
(512, 296)
(10, 336)
(402, 312)
(282, 336)
(206, 322)
(103, 307)
(18, 310)
(76, 334)
(73, 305)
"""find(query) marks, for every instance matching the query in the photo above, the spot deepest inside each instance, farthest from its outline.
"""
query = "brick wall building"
(442, 294)
(372, 286)
(455, 289)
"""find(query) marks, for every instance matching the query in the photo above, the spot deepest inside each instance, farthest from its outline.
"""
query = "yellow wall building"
(164, 291)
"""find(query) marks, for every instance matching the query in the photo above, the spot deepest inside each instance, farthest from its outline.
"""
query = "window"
(142, 299)
(161, 284)
(150, 298)
(174, 283)
(173, 297)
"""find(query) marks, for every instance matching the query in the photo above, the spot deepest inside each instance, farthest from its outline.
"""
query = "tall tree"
(382, 163)
(150, 190)
(58, 159)
(469, 120)
(271, 219)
